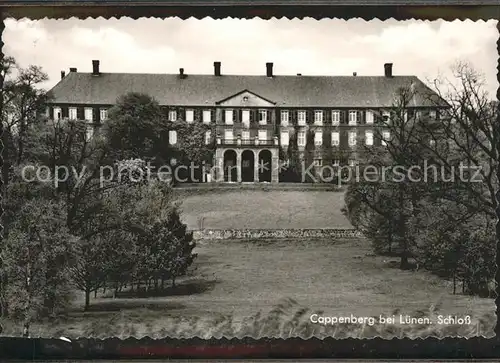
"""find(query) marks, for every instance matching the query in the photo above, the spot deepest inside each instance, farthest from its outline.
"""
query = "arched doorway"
(230, 167)
(265, 166)
(247, 166)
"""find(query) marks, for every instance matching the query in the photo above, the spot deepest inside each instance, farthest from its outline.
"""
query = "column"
(219, 170)
(238, 165)
(256, 166)
(275, 166)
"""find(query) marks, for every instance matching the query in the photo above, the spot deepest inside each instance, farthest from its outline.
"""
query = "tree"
(175, 246)
(472, 132)
(22, 103)
(37, 253)
(191, 149)
(446, 224)
(392, 196)
(137, 128)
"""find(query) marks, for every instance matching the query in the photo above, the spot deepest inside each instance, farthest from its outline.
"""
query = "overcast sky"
(311, 47)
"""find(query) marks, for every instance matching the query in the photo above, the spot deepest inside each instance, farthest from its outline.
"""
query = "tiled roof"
(204, 90)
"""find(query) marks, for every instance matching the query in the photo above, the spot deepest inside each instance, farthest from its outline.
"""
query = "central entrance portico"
(247, 147)
(236, 165)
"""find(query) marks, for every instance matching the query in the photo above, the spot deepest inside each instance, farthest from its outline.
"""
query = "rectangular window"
(318, 138)
(229, 117)
(245, 118)
(262, 135)
(301, 138)
(335, 138)
(336, 162)
(90, 132)
(208, 137)
(72, 113)
(172, 115)
(369, 137)
(207, 116)
(352, 162)
(432, 114)
(245, 135)
(301, 118)
(228, 135)
(369, 117)
(104, 114)
(284, 118)
(318, 162)
(353, 117)
(189, 116)
(335, 117)
(386, 116)
(262, 117)
(57, 113)
(386, 135)
(89, 114)
(352, 138)
(318, 117)
(172, 137)
(285, 139)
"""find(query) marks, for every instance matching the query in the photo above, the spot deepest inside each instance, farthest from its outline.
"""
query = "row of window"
(285, 139)
(246, 116)
(88, 113)
(335, 138)
(335, 162)
(263, 117)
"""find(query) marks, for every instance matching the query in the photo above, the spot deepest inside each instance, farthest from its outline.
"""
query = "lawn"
(260, 209)
(236, 287)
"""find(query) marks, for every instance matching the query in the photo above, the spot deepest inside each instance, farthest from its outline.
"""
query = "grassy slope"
(265, 209)
(236, 279)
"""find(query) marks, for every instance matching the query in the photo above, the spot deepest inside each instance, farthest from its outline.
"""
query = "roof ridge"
(249, 75)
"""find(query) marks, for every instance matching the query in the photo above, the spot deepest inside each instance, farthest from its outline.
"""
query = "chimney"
(269, 68)
(181, 73)
(388, 69)
(217, 69)
(95, 68)
(299, 74)
(63, 74)
(73, 70)
(354, 74)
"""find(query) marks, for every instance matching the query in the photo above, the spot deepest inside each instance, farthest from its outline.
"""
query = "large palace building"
(255, 119)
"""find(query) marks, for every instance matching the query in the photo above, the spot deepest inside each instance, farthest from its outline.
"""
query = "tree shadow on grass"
(132, 304)
(187, 288)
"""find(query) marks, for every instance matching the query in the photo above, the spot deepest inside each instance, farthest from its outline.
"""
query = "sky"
(311, 47)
